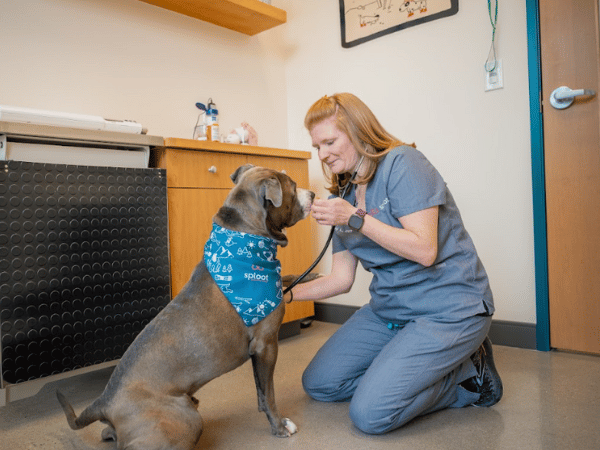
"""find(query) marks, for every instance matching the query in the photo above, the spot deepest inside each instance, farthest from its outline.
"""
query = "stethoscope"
(326, 246)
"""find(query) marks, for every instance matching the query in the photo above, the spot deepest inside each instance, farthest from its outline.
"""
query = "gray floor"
(551, 401)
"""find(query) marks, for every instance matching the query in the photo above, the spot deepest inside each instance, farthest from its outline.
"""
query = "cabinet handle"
(212, 169)
(283, 171)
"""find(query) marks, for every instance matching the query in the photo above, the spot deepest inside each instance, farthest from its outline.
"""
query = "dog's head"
(264, 202)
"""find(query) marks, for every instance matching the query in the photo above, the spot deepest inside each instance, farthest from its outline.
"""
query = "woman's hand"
(331, 212)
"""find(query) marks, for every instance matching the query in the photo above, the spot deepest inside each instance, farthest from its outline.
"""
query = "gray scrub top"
(456, 286)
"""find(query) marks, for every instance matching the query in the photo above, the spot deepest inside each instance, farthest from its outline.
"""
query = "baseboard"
(332, 313)
(513, 334)
(502, 332)
(289, 329)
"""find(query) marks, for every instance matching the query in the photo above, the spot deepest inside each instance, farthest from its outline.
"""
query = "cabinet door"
(190, 223)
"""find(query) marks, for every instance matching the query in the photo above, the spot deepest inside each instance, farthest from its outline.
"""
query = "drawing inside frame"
(363, 20)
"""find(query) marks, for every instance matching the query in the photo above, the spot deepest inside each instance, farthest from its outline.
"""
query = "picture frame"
(365, 20)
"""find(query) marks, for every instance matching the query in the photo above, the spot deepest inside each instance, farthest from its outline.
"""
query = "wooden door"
(570, 57)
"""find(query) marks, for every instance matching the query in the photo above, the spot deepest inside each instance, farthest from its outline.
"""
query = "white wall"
(126, 59)
(426, 85)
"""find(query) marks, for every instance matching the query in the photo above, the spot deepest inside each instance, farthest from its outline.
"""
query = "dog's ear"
(235, 176)
(270, 189)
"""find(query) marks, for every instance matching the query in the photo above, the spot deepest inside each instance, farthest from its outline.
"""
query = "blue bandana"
(246, 269)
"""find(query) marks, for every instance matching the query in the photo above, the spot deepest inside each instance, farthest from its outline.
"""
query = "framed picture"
(363, 20)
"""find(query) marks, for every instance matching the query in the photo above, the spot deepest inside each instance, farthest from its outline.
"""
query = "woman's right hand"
(332, 212)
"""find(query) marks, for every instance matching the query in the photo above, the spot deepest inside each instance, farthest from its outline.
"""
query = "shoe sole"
(496, 381)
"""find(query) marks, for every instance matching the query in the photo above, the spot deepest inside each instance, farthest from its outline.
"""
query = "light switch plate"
(494, 79)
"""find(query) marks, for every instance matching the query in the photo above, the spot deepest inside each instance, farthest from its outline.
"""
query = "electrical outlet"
(493, 76)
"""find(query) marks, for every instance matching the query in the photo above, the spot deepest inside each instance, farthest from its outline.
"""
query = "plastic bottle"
(212, 123)
(200, 127)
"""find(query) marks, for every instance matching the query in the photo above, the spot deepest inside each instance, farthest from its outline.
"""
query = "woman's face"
(334, 147)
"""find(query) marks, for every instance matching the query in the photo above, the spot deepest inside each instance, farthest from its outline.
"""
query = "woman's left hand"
(331, 212)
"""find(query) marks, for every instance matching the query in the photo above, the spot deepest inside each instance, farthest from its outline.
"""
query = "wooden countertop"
(191, 144)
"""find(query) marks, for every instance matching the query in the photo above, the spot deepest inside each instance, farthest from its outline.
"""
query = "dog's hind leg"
(263, 364)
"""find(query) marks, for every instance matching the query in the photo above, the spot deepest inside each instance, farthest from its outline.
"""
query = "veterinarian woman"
(420, 344)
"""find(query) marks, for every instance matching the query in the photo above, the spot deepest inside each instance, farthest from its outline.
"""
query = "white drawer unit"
(59, 145)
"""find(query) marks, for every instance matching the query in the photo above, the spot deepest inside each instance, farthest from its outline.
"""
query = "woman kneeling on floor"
(420, 345)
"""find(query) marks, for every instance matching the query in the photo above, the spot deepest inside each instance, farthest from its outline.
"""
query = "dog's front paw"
(284, 428)
(289, 426)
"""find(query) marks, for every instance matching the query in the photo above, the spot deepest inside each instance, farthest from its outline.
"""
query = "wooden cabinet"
(246, 16)
(198, 182)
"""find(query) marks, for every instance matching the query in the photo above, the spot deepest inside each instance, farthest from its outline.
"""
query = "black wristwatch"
(357, 219)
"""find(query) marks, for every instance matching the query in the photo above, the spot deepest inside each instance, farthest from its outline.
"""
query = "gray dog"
(148, 403)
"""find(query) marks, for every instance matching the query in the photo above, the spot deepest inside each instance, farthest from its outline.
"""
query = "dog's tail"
(89, 415)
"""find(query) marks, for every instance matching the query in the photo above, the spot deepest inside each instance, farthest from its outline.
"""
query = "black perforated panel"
(84, 264)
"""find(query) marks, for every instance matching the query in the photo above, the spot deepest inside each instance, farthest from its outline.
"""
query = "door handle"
(563, 97)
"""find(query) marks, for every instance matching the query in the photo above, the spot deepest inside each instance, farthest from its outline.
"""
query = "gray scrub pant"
(393, 376)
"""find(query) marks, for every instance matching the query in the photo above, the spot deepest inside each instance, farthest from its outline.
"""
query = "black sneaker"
(487, 382)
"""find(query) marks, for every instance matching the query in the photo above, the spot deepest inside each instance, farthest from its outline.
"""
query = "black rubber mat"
(84, 264)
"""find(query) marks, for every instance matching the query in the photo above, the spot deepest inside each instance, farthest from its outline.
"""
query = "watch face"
(356, 222)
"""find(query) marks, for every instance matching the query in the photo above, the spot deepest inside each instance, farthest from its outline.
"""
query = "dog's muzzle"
(305, 198)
